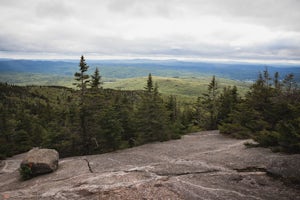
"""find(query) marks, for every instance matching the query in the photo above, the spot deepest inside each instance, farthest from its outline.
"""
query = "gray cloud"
(231, 29)
(271, 13)
(54, 9)
(144, 8)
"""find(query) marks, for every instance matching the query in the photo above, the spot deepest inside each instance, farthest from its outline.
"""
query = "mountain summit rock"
(203, 165)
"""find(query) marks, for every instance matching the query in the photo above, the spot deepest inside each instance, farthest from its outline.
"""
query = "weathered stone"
(41, 161)
(204, 165)
(286, 168)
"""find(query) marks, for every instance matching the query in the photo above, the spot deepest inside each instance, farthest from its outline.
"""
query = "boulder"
(40, 161)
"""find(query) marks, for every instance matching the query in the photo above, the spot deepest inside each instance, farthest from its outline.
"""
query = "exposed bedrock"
(204, 165)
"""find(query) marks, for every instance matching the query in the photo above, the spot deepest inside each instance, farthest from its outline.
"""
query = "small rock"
(41, 161)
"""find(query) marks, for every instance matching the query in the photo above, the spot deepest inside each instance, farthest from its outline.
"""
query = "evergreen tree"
(149, 87)
(187, 117)
(172, 108)
(210, 100)
(112, 129)
(96, 80)
(125, 114)
(82, 77)
(228, 102)
(289, 84)
(83, 80)
(152, 115)
(269, 114)
(198, 113)
(277, 84)
(174, 114)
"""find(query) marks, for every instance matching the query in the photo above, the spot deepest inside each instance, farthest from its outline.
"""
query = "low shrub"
(26, 172)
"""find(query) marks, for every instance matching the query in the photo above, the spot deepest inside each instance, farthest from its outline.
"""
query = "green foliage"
(269, 114)
(52, 117)
(228, 102)
(84, 121)
(112, 129)
(236, 130)
(184, 88)
(187, 119)
(152, 120)
(81, 77)
(198, 113)
(210, 100)
(213, 107)
(267, 138)
(30, 116)
(25, 172)
(149, 87)
(96, 79)
(91, 120)
(289, 135)
(26, 78)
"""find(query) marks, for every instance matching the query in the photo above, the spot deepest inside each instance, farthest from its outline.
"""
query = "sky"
(220, 30)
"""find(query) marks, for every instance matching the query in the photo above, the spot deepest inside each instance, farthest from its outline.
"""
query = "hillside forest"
(92, 120)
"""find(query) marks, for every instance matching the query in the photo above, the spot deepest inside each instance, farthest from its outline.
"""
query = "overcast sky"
(248, 30)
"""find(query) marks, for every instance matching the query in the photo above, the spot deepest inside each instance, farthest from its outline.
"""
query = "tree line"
(92, 120)
(269, 113)
(87, 120)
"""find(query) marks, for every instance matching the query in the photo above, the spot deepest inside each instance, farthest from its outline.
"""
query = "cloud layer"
(193, 29)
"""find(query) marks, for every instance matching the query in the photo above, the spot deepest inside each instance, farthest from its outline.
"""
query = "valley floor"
(204, 165)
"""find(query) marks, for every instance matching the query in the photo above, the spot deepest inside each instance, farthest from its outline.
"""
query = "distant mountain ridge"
(141, 67)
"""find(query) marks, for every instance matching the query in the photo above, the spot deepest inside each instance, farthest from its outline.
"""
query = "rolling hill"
(188, 79)
(184, 87)
(140, 68)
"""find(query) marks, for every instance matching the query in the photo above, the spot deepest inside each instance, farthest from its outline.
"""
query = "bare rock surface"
(286, 168)
(204, 165)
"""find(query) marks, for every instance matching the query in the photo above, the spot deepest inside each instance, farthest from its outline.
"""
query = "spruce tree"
(172, 109)
(277, 84)
(198, 112)
(83, 80)
(228, 101)
(210, 99)
(173, 114)
(96, 79)
(82, 77)
(149, 87)
(152, 115)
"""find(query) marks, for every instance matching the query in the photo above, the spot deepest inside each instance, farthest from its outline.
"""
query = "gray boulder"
(41, 161)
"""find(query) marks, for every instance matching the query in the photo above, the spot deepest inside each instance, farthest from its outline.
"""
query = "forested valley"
(92, 120)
